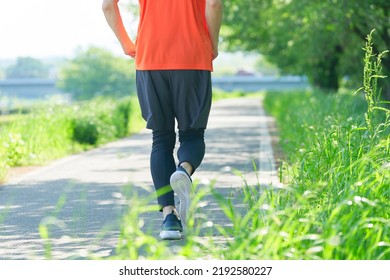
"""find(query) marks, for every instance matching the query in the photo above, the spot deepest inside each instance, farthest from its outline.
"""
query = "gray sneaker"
(181, 184)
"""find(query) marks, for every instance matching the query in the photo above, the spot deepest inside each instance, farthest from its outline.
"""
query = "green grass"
(51, 131)
(339, 174)
(337, 151)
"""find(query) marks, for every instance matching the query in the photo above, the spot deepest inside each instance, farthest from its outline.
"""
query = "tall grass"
(52, 131)
(339, 162)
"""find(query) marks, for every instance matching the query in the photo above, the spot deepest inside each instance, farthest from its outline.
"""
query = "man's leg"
(162, 165)
(192, 149)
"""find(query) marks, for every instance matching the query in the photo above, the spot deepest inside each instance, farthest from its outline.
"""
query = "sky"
(47, 28)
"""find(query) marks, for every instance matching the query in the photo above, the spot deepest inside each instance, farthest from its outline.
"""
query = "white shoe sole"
(181, 185)
(170, 235)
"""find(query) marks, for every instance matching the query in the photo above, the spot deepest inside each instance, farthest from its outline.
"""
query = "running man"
(177, 41)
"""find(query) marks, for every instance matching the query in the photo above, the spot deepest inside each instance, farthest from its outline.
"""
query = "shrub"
(85, 131)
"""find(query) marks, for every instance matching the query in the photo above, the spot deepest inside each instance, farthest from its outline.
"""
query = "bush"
(85, 131)
(101, 120)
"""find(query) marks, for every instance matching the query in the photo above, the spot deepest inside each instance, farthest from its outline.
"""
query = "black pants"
(167, 96)
(162, 162)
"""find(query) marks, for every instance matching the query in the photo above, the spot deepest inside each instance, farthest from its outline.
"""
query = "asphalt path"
(81, 199)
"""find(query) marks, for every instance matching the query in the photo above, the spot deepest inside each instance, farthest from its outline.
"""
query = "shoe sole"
(170, 235)
(181, 185)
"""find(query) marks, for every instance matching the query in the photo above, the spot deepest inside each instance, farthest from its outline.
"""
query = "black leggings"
(162, 162)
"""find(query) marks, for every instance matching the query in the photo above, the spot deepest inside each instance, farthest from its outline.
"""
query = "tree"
(321, 39)
(27, 67)
(95, 72)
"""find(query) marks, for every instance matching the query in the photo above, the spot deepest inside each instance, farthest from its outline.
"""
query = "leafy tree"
(321, 39)
(27, 67)
(96, 72)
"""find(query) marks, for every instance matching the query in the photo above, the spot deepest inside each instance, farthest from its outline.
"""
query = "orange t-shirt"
(173, 34)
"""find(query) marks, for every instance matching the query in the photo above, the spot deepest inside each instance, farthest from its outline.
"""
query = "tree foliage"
(97, 72)
(27, 67)
(321, 39)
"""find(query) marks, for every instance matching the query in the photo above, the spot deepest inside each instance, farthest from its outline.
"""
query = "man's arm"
(214, 13)
(114, 20)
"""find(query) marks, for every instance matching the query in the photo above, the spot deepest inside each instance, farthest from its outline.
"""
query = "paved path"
(84, 193)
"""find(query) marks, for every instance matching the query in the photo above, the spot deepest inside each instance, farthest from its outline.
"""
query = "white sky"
(43, 28)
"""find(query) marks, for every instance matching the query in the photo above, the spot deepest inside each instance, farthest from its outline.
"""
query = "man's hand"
(129, 50)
